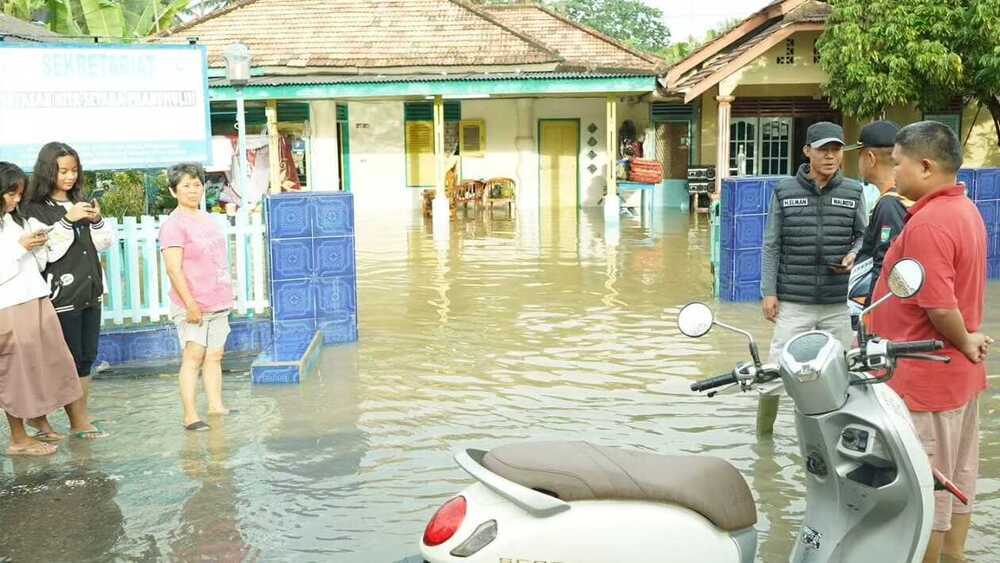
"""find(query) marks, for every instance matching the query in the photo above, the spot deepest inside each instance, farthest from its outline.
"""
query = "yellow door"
(559, 144)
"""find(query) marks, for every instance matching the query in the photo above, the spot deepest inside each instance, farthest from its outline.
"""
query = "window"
(420, 160)
(760, 146)
(472, 137)
(789, 57)
(953, 120)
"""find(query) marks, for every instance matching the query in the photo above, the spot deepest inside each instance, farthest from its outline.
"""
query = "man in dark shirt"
(876, 167)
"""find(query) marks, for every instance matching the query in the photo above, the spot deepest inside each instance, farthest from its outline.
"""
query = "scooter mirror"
(906, 278)
(695, 320)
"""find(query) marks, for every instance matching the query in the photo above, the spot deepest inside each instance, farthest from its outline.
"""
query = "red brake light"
(445, 522)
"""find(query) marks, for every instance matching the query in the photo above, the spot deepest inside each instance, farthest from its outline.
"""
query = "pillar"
(612, 207)
(722, 152)
(441, 210)
(273, 147)
(324, 146)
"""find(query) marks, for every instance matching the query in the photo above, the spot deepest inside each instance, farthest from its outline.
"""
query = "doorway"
(558, 163)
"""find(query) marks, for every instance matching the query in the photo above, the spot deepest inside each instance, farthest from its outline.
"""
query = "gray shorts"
(211, 333)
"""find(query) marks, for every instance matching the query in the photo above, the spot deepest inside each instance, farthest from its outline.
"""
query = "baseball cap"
(824, 132)
(877, 134)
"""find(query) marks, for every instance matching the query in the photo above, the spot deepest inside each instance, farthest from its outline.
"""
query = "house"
(377, 94)
(751, 93)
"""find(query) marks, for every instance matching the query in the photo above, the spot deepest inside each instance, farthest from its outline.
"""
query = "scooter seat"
(575, 471)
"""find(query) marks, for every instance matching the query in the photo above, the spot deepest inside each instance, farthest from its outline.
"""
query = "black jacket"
(75, 277)
(884, 226)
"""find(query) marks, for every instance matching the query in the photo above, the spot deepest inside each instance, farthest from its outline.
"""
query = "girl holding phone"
(37, 371)
(74, 273)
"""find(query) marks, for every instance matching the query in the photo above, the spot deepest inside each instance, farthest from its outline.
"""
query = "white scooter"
(869, 485)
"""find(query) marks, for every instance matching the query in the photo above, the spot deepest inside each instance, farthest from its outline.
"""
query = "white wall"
(378, 156)
(323, 146)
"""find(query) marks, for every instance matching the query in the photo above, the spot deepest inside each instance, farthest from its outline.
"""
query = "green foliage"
(631, 21)
(680, 50)
(26, 10)
(882, 53)
(116, 19)
(124, 194)
(163, 203)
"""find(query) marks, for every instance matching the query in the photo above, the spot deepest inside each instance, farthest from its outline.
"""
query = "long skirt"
(37, 372)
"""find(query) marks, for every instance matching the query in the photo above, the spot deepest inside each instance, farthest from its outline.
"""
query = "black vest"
(817, 229)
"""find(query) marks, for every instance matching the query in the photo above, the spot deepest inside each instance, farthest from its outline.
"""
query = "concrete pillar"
(441, 211)
(273, 147)
(722, 152)
(527, 158)
(324, 146)
(612, 207)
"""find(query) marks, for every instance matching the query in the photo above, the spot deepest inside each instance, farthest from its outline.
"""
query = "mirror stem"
(753, 344)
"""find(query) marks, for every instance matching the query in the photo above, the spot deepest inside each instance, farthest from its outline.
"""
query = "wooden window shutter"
(472, 139)
(419, 153)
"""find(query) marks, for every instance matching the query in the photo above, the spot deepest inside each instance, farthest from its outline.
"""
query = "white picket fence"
(138, 289)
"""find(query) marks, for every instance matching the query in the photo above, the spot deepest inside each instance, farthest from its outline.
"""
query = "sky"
(695, 17)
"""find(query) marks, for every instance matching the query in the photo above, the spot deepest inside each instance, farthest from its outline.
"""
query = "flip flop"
(197, 426)
(34, 450)
(48, 437)
(90, 434)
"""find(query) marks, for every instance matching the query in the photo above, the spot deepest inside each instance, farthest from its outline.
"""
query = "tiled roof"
(18, 30)
(809, 12)
(364, 35)
(581, 46)
(307, 80)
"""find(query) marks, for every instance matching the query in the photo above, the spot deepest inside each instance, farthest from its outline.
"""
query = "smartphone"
(46, 229)
(836, 265)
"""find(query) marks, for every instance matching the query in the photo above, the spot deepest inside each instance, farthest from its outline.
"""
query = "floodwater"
(515, 330)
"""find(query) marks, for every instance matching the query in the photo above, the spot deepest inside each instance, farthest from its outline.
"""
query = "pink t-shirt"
(205, 263)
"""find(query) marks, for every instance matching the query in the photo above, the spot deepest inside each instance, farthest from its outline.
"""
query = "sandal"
(90, 434)
(48, 437)
(197, 426)
(34, 449)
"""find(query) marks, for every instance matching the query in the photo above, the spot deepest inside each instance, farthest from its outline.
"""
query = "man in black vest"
(813, 235)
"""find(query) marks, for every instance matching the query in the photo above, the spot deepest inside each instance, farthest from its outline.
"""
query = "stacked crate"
(984, 189)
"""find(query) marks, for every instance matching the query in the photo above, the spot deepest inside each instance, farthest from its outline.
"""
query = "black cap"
(877, 135)
(824, 132)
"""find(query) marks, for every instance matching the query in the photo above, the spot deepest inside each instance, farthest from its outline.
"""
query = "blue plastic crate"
(744, 292)
(993, 250)
(967, 176)
(991, 213)
(750, 196)
(747, 266)
(987, 184)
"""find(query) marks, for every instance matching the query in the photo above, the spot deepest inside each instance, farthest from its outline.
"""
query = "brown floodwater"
(516, 329)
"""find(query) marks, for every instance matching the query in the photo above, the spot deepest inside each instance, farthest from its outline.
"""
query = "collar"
(942, 192)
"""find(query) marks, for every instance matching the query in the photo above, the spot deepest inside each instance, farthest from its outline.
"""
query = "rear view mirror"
(906, 278)
(695, 320)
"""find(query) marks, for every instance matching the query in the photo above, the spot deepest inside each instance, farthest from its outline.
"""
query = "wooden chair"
(470, 191)
(500, 190)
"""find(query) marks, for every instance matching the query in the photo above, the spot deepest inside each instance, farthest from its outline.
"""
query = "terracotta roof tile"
(363, 34)
(581, 46)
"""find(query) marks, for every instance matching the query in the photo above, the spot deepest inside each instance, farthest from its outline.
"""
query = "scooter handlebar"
(713, 382)
(915, 347)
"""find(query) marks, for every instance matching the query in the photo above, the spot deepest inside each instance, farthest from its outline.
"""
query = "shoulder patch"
(841, 202)
(795, 202)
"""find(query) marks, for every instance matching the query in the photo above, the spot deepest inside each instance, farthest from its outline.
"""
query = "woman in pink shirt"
(195, 251)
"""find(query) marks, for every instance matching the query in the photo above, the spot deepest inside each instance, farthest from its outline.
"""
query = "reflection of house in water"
(523, 94)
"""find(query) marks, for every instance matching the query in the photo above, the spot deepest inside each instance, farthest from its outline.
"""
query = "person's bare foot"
(50, 436)
(220, 411)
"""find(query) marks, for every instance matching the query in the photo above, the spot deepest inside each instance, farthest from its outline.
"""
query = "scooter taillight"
(445, 522)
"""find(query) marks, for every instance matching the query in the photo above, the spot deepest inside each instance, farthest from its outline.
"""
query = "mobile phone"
(46, 229)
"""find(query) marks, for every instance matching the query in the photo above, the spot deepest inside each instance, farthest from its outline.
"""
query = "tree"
(680, 50)
(630, 21)
(113, 19)
(882, 53)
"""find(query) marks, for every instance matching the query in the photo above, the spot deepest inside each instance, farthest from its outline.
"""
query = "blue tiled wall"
(744, 206)
(127, 345)
(313, 272)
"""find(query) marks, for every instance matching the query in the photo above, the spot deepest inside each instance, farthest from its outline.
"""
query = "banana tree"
(116, 19)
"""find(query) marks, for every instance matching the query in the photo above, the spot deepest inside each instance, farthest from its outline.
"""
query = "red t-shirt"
(945, 232)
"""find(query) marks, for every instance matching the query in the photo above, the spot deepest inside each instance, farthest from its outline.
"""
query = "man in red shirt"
(945, 232)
